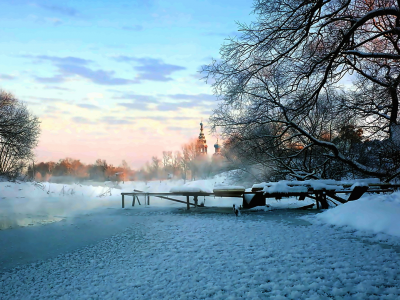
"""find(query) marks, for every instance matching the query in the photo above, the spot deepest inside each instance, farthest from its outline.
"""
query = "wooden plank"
(169, 194)
(162, 197)
(171, 199)
(302, 196)
(337, 198)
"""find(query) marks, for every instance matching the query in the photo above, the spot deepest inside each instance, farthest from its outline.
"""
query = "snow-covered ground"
(97, 250)
(373, 213)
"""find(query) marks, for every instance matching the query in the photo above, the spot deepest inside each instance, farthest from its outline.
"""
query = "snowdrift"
(374, 213)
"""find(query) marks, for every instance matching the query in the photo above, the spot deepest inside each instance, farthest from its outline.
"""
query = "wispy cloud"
(82, 120)
(137, 98)
(115, 121)
(102, 77)
(61, 9)
(53, 87)
(87, 106)
(7, 77)
(71, 66)
(47, 100)
(196, 97)
(54, 79)
(150, 68)
(175, 106)
(137, 106)
(177, 102)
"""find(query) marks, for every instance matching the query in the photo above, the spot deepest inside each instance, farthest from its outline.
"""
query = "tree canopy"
(19, 132)
(303, 71)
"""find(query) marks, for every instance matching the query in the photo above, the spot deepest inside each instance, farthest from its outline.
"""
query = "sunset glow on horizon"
(114, 80)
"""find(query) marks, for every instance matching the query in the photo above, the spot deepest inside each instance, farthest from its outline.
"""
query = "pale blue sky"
(114, 79)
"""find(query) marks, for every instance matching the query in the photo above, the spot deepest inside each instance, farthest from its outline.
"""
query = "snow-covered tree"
(19, 132)
(286, 69)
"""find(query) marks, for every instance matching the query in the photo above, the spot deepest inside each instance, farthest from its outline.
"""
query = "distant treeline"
(186, 165)
(98, 171)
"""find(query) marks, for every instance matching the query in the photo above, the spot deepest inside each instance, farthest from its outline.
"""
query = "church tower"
(217, 147)
(201, 145)
(217, 156)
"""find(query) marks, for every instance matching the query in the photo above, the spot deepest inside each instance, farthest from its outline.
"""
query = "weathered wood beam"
(176, 200)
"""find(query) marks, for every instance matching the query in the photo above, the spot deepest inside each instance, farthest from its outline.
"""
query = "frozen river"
(155, 253)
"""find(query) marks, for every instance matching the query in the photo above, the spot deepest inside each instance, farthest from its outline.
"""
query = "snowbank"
(198, 186)
(288, 186)
(375, 213)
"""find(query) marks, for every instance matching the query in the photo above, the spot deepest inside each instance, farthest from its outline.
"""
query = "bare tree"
(176, 163)
(19, 132)
(286, 68)
(188, 161)
(167, 161)
(155, 166)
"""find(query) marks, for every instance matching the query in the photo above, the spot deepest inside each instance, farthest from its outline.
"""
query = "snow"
(185, 189)
(93, 248)
(373, 213)
(203, 186)
(167, 255)
(283, 187)
(358, 183)
(286, 186)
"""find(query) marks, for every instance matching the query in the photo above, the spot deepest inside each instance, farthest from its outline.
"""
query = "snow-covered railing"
(287, 186)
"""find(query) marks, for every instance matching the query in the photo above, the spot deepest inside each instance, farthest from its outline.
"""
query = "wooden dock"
(258, 197)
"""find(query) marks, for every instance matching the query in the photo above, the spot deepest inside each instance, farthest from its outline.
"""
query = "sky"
(114, 79)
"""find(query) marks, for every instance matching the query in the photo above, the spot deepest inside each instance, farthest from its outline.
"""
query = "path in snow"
(165, 255)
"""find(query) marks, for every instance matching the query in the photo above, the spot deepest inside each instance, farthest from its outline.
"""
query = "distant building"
(201, 144)
(217, 147)
(217, 154)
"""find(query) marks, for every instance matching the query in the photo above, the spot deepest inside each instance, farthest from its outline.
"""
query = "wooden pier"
(258, 198)
(166, 196)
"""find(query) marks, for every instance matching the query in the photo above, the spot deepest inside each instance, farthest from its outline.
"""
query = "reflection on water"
(22, 220)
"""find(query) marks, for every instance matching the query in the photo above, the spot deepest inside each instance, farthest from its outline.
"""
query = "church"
(201, 145)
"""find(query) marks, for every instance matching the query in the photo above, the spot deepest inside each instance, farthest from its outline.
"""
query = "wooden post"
(187, 203)
(324, 202)
(195, 201)
(148, 199)
(133, 200)
(317, 197)
(123, 201)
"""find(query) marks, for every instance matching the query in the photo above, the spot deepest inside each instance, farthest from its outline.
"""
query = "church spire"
(201, 147)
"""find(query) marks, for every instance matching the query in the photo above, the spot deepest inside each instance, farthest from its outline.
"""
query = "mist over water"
(31, 203)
